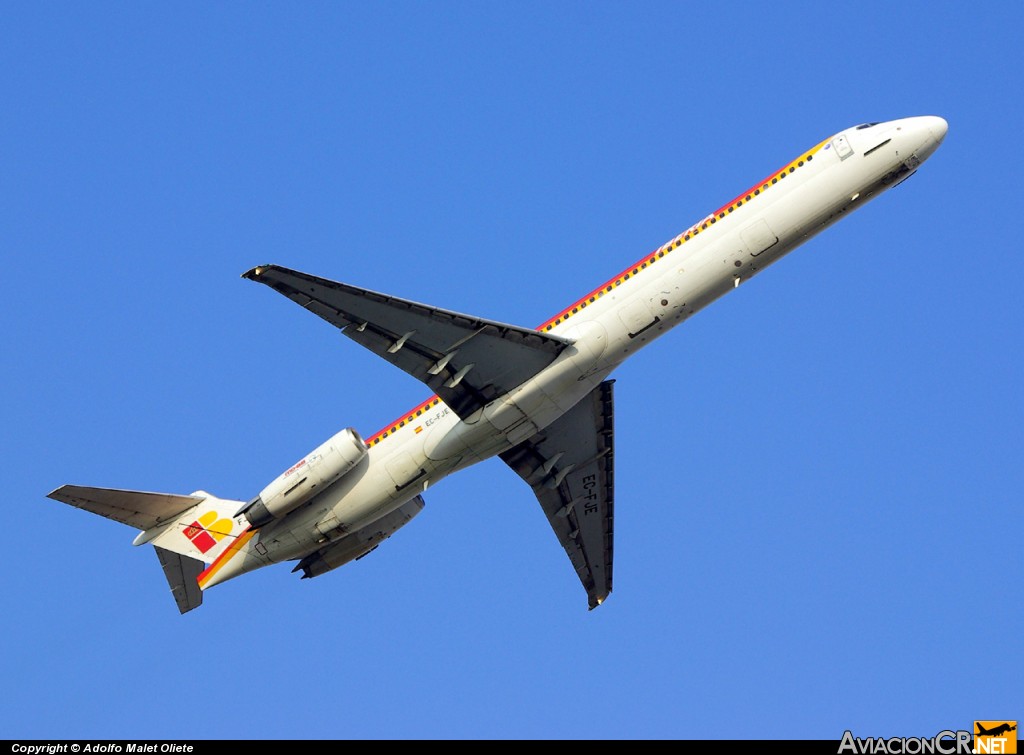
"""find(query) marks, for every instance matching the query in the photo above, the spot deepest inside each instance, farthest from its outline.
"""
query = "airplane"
(540, 399)
(995, 731)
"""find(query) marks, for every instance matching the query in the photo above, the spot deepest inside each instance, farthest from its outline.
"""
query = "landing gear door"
(843, 148)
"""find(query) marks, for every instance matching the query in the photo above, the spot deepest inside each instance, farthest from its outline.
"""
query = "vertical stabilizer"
(202, 532)
(182, 573)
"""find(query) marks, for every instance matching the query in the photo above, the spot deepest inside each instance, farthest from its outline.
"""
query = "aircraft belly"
(508, 420)
(590, 343)
(444, 438)
(524, 411)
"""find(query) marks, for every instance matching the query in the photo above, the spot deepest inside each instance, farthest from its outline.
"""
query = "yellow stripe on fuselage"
(239, 543)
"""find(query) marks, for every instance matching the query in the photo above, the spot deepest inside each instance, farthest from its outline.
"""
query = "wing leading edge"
(132, 507)
(570, 467)
(466, 360)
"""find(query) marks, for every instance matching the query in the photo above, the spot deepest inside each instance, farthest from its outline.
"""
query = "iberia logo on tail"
(206, 531)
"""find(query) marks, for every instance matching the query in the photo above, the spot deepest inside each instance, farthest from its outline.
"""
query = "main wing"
(570, 467)
(466, 360)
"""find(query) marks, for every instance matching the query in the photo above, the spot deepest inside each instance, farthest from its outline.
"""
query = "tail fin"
(201, 532)
(187, 531)
(182, 574)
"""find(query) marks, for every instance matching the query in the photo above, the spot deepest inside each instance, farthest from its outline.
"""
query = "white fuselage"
(660, 291)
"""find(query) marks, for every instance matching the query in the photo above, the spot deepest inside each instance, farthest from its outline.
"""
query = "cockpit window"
(867, 125)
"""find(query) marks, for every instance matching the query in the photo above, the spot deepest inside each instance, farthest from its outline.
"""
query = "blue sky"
(819, 478)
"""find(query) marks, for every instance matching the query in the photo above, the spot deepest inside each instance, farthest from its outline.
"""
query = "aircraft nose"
(937, 127)
(925, 133)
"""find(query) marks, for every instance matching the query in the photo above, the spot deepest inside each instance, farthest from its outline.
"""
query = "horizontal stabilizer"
(132, 507)
(182, 573)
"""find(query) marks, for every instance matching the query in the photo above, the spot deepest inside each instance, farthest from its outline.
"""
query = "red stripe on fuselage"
(647, 260)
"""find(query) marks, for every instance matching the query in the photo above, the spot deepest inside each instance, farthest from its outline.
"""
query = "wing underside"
(570, 467)
(132, 507)
(466, 360)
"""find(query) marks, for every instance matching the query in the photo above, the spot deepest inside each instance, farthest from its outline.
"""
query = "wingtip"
(255, 272)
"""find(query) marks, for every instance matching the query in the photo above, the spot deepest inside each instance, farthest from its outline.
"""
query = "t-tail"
(188, 532)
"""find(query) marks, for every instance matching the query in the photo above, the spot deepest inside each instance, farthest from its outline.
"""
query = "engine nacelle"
(357, 544)
(308, 477)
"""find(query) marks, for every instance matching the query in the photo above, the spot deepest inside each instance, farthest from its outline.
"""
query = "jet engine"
(308, 477)
(359, 543)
